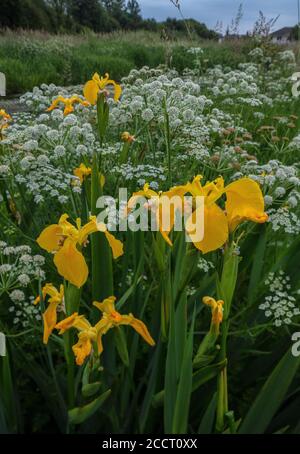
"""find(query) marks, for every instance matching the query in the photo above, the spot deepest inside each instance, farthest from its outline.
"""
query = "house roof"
(285, 31)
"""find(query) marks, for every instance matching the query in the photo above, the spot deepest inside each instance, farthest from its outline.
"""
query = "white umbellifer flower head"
(42, 160)
(81, 150)
(42, 118)
(268, 200)
(27, 162)
(4, 170)
(292, 201)
(57, 115)
(31, 145)
(279, 305)
(59, 151)
(188, 115)
(17, 296)
(24, 279)
(39, 259)
(63, 199)
(5, 268)
(279, 192)
(70, 120)
(147, 114)
(26, 259)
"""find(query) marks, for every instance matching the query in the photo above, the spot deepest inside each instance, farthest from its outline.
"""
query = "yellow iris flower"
(50, 314)
(216, 312)
(244, 202)
(4, 115)
(161, 205)
(98, 85)
(89, 335)
(4, 120)
(68, 102)
(65, 241)
(127, 137)
(82, 172)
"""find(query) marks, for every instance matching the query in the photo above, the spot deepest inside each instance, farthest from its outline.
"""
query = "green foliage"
(30, 59)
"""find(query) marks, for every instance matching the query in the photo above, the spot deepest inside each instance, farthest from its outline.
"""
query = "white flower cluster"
(280, 305)
(284, 220)
(19, 268)
(204, 265)
(141, 174)
(25, 313)
(43, 180)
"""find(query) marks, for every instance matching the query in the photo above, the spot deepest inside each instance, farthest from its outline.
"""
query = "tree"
(134, 14)
(89, 13)
(10, 13)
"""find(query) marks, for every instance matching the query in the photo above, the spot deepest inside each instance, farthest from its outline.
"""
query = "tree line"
(75, 16)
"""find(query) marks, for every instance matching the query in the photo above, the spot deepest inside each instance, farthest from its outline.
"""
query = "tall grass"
(32, 58)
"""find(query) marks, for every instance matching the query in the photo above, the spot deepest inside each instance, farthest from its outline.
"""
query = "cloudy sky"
(210, 11)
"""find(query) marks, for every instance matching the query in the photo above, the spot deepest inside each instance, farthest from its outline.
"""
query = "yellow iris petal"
(117, 90)
(139, 327)
(82, 171)
(67, 323)
(87, 229)
(82, 349)
(215, 228)
(50, 319)
(216, 312)
(244, 202)
(115, 244)
(107, 305)
(81, 323)
(71, 264)
(90, 91)
(50, 237)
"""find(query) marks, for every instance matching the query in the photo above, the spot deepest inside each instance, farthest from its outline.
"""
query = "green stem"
(72, 298)
(226, 288)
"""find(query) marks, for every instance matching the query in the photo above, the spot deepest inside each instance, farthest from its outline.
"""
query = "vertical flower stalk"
(225, 289)
(96, 92)
(102, 271)
(72, 301)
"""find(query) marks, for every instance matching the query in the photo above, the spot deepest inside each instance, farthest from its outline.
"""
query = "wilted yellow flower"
(66, 241)
(126, 137)
(89, 335)
(50, 315)
(98, 85)
(82, 172)
(216, 312)
(68, 102)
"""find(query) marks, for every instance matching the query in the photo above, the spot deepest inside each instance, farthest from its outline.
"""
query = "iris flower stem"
(226, 287)
(222, 390)
(72, 296)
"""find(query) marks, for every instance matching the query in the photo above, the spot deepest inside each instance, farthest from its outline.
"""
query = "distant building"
(282, 36)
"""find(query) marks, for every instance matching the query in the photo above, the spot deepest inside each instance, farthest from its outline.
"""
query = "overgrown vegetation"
(33, 58)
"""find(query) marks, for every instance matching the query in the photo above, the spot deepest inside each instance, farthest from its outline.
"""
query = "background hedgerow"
(32, 58)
